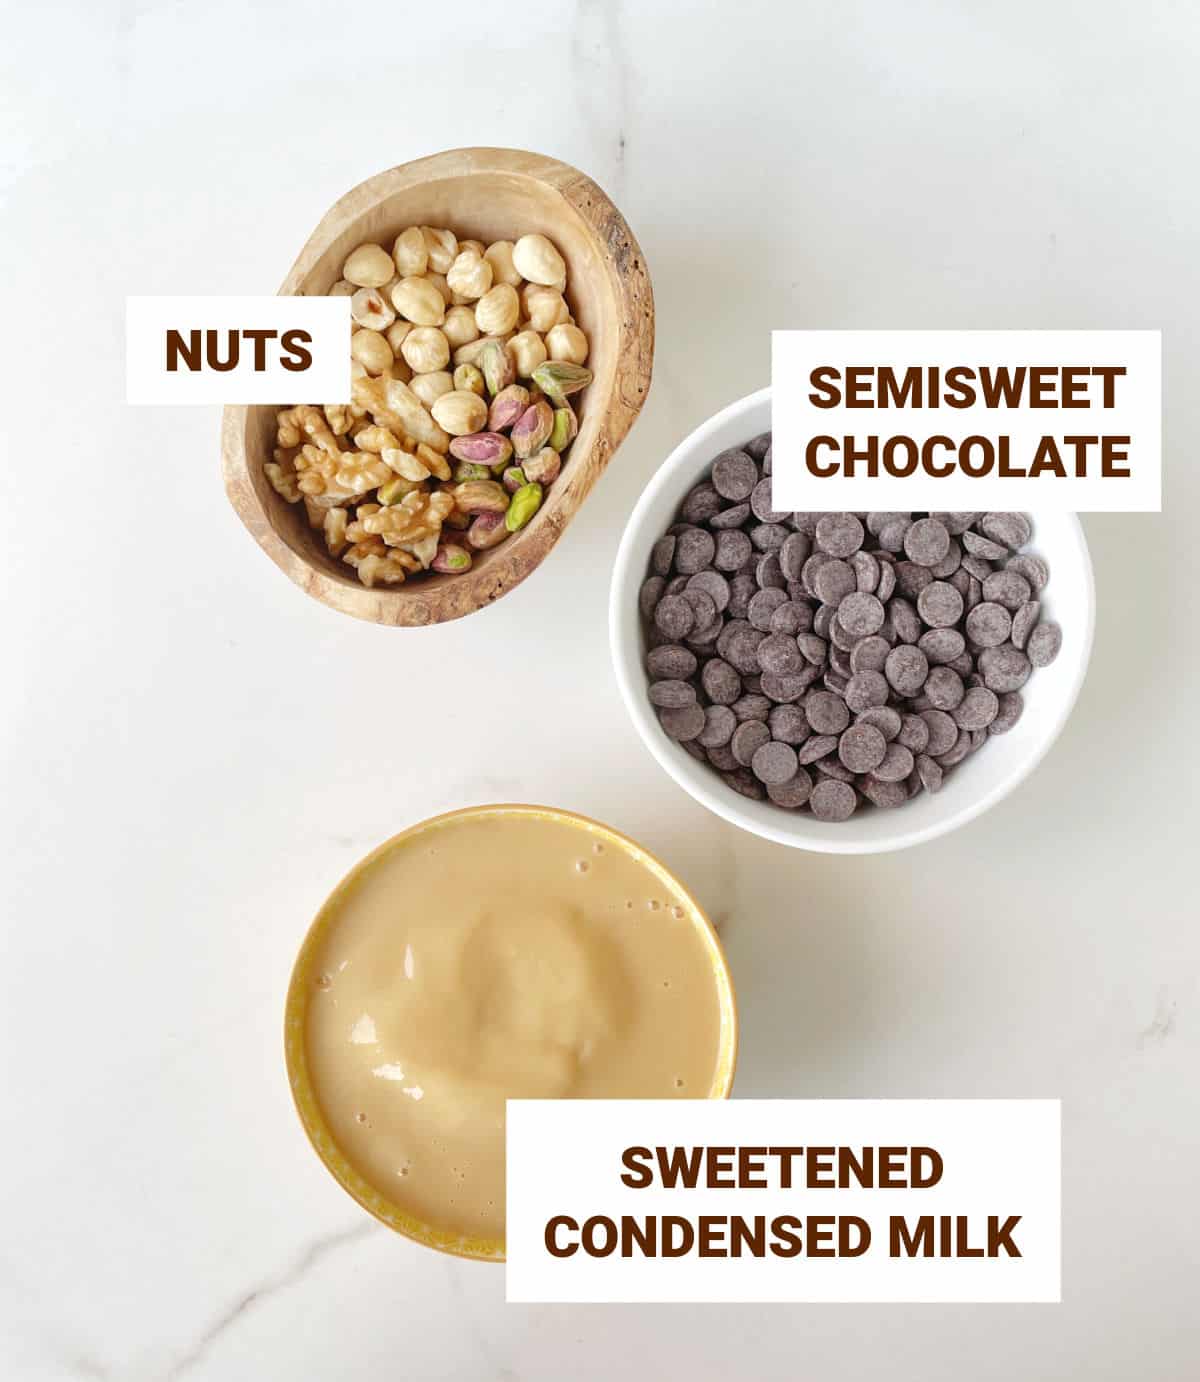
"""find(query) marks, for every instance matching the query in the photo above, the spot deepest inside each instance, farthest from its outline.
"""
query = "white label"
(967, 420)
(939, 1200)
(237, 349)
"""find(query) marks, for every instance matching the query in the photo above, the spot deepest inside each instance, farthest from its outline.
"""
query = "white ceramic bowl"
(970, 789)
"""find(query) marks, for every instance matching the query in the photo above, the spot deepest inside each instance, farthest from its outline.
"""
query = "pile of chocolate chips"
(826, 659)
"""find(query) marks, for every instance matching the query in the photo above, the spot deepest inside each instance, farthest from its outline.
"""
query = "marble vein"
(266, 1290)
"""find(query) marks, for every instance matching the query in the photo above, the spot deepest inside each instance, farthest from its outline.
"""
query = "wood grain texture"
(487, 194)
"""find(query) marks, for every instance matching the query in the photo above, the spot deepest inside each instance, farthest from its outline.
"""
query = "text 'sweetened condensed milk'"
(494, 953)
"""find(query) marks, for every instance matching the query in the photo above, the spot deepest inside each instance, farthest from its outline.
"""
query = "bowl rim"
(299, 991)
(606, 418)
(726, 803)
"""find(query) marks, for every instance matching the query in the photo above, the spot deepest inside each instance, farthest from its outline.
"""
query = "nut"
(523, 505)
(532, 429)
(486, 530)
(343, 288)
(480, 496)
(499, 254)
(470, 276)
(371, 350)
(470, 470)
(442, 246)
(536, 259)
(544, 307)
(426, 349)
(369, 266)
(393, 490)
(459, 326)
(544, 467)
(558, 380)
(568, 343)
(413, 415)
(410, 253)
(497, 311)
(335, 531)
(418, 301)
(438, 281)
(469, 379)
(507, 407)
(566, 428)
(459, 412)
(368, 308)
(408, 465)
(528, 351)
(484, 448)
(497, 366)
(514, 478)
(396, 333)
(451, 558)
(430, 387)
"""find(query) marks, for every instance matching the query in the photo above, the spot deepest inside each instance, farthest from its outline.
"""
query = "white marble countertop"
(193, 752)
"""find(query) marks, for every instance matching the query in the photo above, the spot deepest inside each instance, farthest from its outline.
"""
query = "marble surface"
(193, 752)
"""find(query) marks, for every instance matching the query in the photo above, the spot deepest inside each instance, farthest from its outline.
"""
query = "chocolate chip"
(694, 550)
(906, 669)
(752, 706)
(897, 764)
(1023, 623)
(650, 594)
(885, 718)
(1043, 646)
(977, 709)
(832, 800)
(760, 504)
(794, 792)
(860, 614)
(747, 739)
(979, 546)
(827, 713)
(661, 555)
(869, 654)
(1011, 706)
(743, 781)
(914, 733)
(763, 606)
(674, 617)
(1012, 529)
(940, 605)
(926, 542)
(942, 731)
(788, 724)
(941, 645)
(774, 763)
(682, 723)
(1005, 668)
(778, 654)
(866, 689)
(833, 581)
(734, 475)
(792, 616)
(817, 747)
(700, 505)
(769, 574)
(930, 773)
(839, 534)
(672, 694)
(731, 551)
(669, 660)
(944, 688)
(721, 683)
(988, 625)
(732, 517)
(1008, 588)
(861, 747)
(720, 724)
(794, 552)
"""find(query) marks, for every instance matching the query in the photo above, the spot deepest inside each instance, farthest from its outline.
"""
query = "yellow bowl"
(301, 987)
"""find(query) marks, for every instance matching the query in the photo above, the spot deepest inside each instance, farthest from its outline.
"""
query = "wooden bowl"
(485, 194)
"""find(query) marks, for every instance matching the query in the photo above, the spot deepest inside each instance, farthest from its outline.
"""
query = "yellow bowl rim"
(300, 991)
